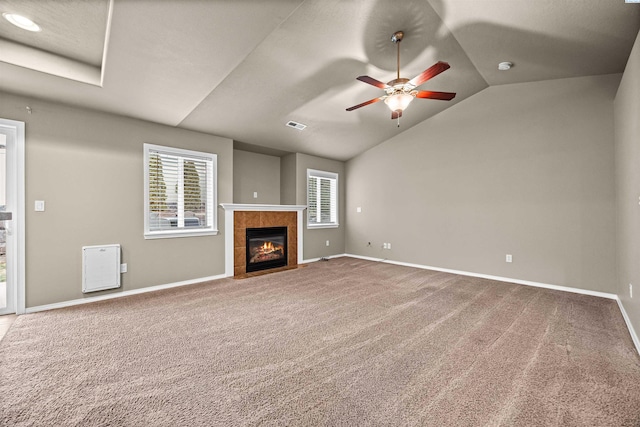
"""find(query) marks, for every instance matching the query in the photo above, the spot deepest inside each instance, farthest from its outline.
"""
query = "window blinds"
(322, 198)
(180, 190)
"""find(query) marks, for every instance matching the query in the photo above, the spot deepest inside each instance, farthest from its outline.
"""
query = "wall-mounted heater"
(100, 268)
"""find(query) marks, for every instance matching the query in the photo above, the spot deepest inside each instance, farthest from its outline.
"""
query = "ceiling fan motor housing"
(401, 85)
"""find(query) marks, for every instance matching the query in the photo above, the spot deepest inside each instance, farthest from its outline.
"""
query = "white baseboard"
(632, 332)
(120, 294)
(498, 278)
(306, 261)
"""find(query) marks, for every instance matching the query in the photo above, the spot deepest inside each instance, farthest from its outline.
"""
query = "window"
(180, 192)
(322, 199)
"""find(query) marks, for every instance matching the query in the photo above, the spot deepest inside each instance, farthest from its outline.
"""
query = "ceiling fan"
(400, 92)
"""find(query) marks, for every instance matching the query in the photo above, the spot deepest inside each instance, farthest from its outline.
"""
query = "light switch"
(39, 206)
(358, 209)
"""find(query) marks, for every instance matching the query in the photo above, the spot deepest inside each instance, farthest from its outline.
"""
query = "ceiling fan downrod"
(397, 38)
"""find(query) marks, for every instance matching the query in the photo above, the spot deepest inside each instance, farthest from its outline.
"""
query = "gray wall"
(259, 173)
(288, 179)
(315, 239)
(88, 167)
(294, 192)
(627, 155)
(524, 169)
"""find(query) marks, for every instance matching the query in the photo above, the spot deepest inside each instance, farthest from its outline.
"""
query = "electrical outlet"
(327, 243)
(123, 268)
(388, 245)
(630, 290)
(509, 258)
(255, 194)
(358, 209)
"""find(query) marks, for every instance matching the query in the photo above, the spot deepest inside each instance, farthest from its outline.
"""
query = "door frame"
(16, 193)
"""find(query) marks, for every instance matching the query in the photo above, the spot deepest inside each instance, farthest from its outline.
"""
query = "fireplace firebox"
(266, 248)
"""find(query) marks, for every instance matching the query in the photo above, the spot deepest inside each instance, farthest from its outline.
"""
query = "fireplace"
(266, 248)
(239, 217)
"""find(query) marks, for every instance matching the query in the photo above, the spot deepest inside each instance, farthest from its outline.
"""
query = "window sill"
(313, 226)
(177, 234)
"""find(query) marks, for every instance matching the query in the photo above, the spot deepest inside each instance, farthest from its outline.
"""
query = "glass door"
(7, 203)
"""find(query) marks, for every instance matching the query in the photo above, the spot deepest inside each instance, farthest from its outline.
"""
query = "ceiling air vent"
(296, 125)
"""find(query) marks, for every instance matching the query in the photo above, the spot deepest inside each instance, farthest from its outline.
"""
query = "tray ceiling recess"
(71, 41)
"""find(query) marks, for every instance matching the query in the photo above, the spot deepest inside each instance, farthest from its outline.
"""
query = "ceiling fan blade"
(429, 73)
(372, 81)
(371, 101)
(444, 96)
(396, 115)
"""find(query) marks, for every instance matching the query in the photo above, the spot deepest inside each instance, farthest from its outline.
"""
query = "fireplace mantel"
(231, 208)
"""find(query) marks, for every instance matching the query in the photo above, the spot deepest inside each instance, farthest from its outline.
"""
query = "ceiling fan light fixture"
(21, 22)
(399, 101)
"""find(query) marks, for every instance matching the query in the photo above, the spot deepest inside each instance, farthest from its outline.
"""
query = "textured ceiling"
(243, 68)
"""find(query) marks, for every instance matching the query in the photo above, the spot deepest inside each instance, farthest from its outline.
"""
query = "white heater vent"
(100, 268)
(296, 125)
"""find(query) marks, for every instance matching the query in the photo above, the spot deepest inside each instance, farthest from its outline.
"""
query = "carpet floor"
(340, 343)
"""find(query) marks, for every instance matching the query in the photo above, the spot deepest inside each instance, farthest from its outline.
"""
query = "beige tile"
(239, 257)
(292, 219)
(5, 323)
(239, 219)
(239, 237)
(292, 248)
(8, 319)
(271, 219)
(252, 219)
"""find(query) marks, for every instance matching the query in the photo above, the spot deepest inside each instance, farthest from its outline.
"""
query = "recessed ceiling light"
(504, 66)
(21, 21)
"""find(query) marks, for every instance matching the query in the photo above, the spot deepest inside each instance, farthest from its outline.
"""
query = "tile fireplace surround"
(239, 217)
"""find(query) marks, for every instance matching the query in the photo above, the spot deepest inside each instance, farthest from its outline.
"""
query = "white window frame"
(212, 184)
(328, 175)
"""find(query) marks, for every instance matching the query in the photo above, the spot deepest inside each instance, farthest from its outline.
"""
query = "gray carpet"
(339, 343)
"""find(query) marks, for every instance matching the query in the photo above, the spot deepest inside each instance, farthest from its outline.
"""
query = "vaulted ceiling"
(244, 68)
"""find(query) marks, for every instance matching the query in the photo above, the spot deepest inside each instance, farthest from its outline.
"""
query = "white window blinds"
(322, 198)
(180, 192)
